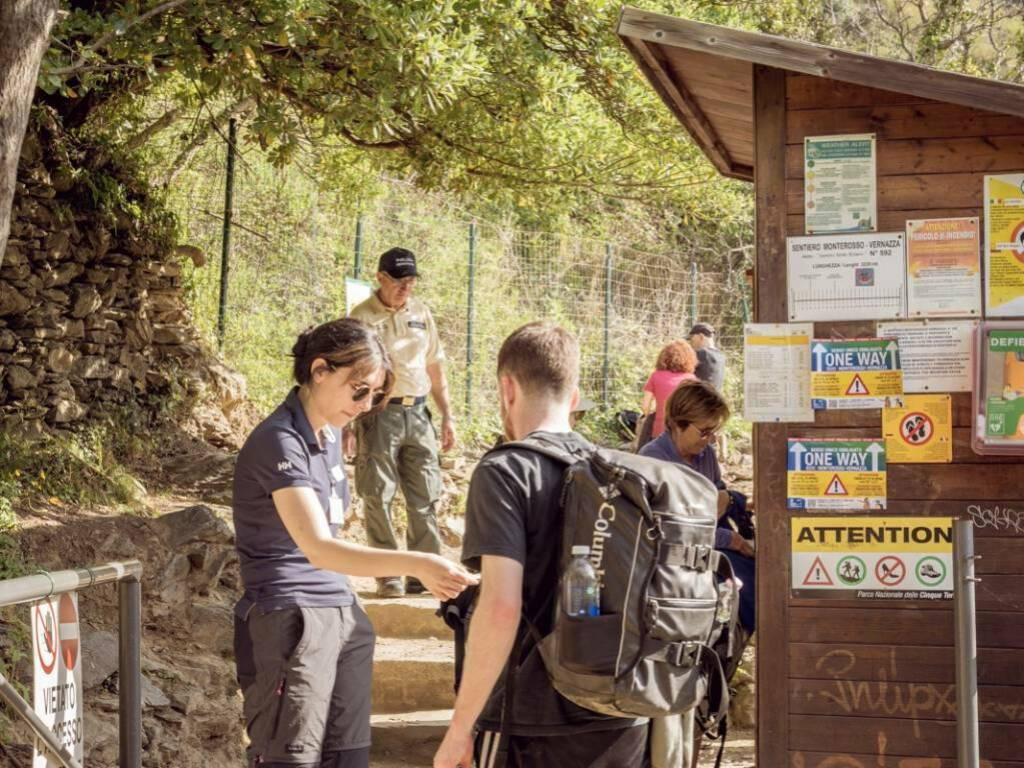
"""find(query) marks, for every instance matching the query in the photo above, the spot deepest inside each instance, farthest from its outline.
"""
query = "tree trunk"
(24, 36)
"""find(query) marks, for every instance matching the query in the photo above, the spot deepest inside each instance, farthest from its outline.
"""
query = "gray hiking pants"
(397, 447)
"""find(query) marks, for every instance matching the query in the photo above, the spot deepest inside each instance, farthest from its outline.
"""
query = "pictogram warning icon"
(818, 576)
(44, 624)
(857, 386)
(931, 571)
(68, 631)
(890, 570)
(836, 487)
(916, 428)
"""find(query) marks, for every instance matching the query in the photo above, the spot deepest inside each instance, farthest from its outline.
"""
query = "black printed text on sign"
(57, 674)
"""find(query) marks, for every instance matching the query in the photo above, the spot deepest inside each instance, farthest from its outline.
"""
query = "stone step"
(413, 675)
(406, 617)
(408, 739)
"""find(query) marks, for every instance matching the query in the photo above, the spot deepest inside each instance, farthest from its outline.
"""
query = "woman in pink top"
(676, 363)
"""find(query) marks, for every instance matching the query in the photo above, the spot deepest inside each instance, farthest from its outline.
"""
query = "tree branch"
(188, 152)
(105, 38)
(164, 121)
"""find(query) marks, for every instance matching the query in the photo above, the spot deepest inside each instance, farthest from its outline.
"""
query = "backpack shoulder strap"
(549, 449)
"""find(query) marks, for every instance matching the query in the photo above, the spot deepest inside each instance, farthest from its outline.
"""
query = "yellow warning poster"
(921, 432)
(908, 558)
(1004, 245)
(855, 373)
(835, 474)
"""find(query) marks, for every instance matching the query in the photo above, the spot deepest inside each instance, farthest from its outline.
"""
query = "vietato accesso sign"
(57, 674)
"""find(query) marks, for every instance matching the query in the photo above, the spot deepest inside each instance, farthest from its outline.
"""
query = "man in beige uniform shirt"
(398, 446)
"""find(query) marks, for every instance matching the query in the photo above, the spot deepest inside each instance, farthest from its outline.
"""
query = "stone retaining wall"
(91, 311)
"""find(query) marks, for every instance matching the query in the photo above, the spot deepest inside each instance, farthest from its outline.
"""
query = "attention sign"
(855, 373)
(891, 558)
(835, 474)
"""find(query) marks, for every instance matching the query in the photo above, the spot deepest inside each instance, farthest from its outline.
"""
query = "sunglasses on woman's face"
(361, 392)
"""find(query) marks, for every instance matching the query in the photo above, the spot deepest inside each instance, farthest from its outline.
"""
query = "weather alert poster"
(835, 474)
(855, 373)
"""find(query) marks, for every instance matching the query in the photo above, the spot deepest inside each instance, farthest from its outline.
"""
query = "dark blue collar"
(299, 419)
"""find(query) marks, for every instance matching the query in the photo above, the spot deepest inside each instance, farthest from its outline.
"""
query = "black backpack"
(650, 526)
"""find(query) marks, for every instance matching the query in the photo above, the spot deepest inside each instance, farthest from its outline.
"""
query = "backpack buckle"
(686, 654)
(702, 557)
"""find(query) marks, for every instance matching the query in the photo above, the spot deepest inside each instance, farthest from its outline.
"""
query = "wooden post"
(770, 439)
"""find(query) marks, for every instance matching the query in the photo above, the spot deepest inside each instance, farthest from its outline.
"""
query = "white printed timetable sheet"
(847, 277)
(777, 372)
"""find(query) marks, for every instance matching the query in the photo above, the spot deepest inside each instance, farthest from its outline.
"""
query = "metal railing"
(966, 644)
(129, 665)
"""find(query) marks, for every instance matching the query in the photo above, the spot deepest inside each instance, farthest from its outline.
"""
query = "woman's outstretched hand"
(443, 578)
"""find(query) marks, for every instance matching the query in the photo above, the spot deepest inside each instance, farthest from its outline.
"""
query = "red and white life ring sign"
(68, 616)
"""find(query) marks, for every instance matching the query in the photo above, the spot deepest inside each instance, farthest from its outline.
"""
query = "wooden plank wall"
(869, 684)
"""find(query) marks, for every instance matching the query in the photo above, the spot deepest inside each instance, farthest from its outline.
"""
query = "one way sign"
(855, 373)
(836, 474)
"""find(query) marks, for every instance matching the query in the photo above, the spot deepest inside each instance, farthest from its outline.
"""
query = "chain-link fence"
(293, 247)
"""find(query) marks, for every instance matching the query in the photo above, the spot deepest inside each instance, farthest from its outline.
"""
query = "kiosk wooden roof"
(705, 74)
(868, 682)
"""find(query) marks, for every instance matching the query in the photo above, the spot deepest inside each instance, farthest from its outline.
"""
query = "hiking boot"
(414, 586)
(390, 587)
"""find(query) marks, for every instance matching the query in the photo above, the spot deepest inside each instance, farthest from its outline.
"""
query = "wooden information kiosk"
(865, 681)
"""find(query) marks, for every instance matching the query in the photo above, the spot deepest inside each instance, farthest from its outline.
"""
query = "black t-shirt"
(711, 366)
(513, 510)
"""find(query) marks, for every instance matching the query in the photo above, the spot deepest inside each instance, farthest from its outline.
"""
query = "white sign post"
(57, 677)
(356, 292)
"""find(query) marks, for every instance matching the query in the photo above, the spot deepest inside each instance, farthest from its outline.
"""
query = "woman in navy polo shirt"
(303, 644)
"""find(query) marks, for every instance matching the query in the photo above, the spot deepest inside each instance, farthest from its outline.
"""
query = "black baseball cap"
(703, 329)
(398, 262)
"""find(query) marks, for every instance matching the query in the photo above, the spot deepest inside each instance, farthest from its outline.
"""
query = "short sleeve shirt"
(662, 384)
(513, 510)
(283, 452)
(711, 366)
(410, 336)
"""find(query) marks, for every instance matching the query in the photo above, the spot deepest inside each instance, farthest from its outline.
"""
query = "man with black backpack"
(513, 716)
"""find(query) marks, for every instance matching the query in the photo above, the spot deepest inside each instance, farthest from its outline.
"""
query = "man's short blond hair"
(543, 357)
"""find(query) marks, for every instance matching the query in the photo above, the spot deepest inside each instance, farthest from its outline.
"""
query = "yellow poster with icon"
(1004, 245)
(920, 432)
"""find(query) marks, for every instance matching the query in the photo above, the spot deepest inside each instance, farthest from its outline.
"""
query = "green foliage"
(77, 467)
(533, 105)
